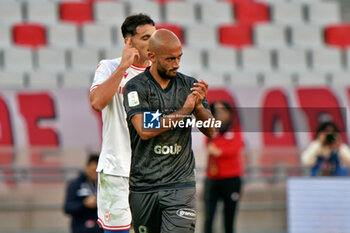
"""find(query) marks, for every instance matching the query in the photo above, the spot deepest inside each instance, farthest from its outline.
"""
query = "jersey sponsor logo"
(90, 223)
(165, 149)
(235, 196)
(187, 213)
(229, 135)
(143, 229)
(133, 99)
(151, 120)
(84, 190)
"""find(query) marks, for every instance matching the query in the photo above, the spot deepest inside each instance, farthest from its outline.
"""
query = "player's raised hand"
(129, 53)
(200, 89)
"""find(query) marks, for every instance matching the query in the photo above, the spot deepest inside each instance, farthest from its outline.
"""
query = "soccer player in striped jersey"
(106, 95)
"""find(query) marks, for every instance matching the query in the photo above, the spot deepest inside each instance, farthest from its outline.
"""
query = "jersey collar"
(170, 84)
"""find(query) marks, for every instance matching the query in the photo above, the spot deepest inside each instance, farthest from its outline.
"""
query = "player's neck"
(141, 62)
(163, 82)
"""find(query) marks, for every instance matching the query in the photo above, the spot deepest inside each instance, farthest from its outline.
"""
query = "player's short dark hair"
(131, 22)
(93, 158)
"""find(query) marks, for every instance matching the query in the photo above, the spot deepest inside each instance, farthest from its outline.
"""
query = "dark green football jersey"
(165, 160)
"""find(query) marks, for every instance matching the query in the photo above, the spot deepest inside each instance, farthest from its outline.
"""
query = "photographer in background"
(81, 202)
(327, 155)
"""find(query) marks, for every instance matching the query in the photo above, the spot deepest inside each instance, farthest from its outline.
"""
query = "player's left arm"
(200, 89)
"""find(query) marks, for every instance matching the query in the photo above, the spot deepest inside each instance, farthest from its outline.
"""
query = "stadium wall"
(55, 128)
(267, 117)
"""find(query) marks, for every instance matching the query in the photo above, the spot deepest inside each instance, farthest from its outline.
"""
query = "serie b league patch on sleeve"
(133, 99)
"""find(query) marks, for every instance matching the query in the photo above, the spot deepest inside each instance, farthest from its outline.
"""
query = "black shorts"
(164, 211)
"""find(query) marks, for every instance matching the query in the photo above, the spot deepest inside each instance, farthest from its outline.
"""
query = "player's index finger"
(128, 42)
(200, 85)
(202, 81)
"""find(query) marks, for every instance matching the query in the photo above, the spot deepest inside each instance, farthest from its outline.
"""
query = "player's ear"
(151, 56)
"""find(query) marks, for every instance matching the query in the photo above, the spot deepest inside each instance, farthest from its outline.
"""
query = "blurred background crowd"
(282, 66)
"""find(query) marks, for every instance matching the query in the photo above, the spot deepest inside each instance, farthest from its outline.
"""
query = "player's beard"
(164, 73)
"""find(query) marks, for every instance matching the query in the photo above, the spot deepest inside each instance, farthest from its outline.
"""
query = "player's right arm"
(136, 102)
(145, 134)
(103, 94)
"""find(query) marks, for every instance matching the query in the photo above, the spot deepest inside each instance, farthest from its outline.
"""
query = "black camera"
(330, 138)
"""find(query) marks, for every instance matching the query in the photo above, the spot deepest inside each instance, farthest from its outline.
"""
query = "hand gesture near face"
(334, 144)
(129, 53)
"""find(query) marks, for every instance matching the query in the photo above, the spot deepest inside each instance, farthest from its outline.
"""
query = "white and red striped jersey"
(115, 153)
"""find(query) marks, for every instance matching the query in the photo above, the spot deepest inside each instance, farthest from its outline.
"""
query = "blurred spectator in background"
(80, 200)
(224, 169)
(327, 155)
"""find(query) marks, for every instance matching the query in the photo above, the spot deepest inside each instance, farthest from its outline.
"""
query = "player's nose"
(176, 64)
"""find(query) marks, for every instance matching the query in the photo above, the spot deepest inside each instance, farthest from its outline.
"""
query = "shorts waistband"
(163, 187)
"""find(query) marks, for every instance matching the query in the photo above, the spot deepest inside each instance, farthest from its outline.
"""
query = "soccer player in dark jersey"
(162, 179)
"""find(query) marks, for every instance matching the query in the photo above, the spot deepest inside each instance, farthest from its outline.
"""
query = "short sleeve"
(135, 98)
(104, 70)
